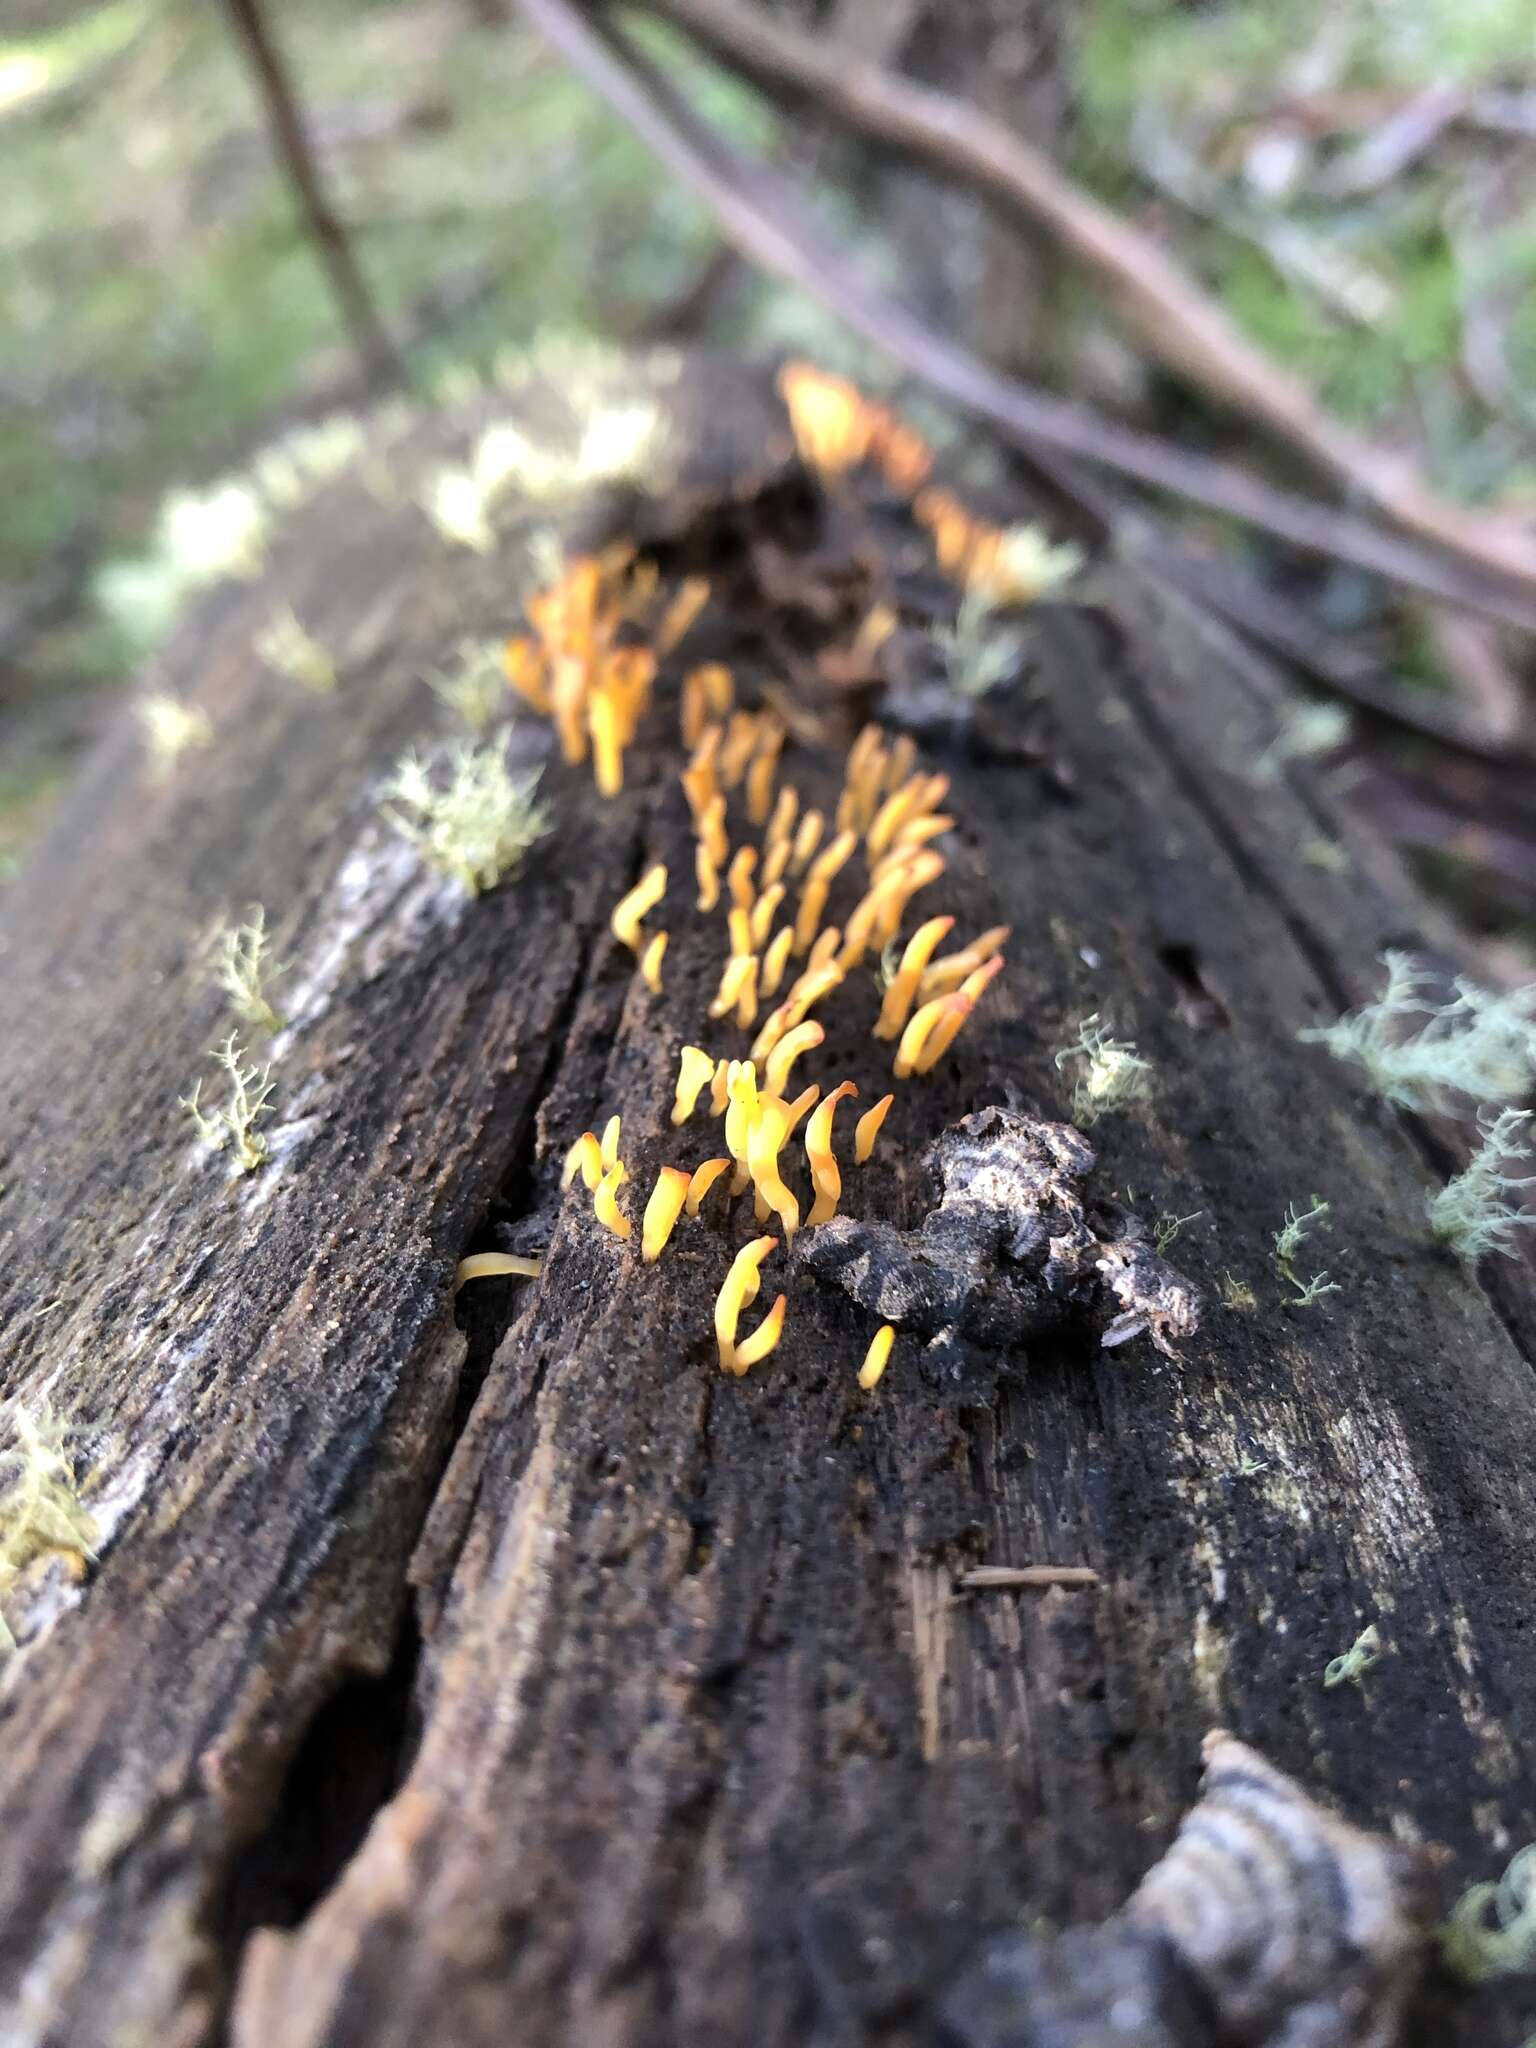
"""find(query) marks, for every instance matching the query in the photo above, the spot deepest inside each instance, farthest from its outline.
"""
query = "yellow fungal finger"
(738, 877)
(961, 1004)
(650, 961)
(732, 982)
(568, 698)
(950, 972)
(523, 662)
(831, 858)
(739, 925)
(787, 1051)
(610, 1144)
(605, 1201)
(493, 1265)
(782, 823)
(586, 1158)
(701, 1180)
(918, 831)
(876, 1357)
(628, 675)
(720, 686)
(775, 960)
(680, 614)
(699, 779)
(738, 1289)
(662, 1211)
(752, 1350)
(719, 1093)
(746, 996)
(776, 862)
(760, 780)
(867, 1129)
(633, 906)
(902, 993)
(773, 1028)
(825, 1178)
(708, 690)
(807, 838)
(813, 901)
(741, 1108)
(607, 745)
(859, 931)
(901, 762)
(708, 876)
(897, 890)
(915, 1036)
(763, 1141)
(893, 813)
(738, 747)
(693, 711)
(762, 915)
(824, 951)
(696, 1069)
(793, 1111)
(809, 990)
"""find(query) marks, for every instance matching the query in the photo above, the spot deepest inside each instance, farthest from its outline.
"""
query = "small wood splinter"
(1001, 1578)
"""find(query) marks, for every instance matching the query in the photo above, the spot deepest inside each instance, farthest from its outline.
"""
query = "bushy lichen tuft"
(1298, 1226)
(171, 729)
(473, 684)
(286, 645)
(1417, 1053)
(475, 823)
(242, 969)
(1491, 1930)
(1111, 1072)
(234, 1121)
(979, 653)
(1473, 1213)
(40, 1507)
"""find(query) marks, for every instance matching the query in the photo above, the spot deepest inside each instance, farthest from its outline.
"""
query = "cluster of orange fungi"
(584, 666)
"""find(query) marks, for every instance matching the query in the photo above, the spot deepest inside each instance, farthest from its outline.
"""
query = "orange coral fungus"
(662, 1211)
(902, 993)
(732, 983)
(876, 1357)
(807, 838)
(803, 1102)
(828, 415)
(630, 908)
(739, 925)
(867, 1129)
(787, 1051)
(763, 1142)
(586, 1158)
(818, 882)
(707, 874)
(809, 990)
(738, 1290)
(746, 996)
(526, 672)
(496, 1266)
(650, 961)
(605, 1202)
(762, 915)
(738, 747)
(700, 779)
(680, 614)
(782, 823)
(738, 877)
(915, 1035)
(719, 1091)
(701, 1180)
(610, 1144)
(948, 973)
(826, 1179)
(765, 1338)
(775, 960)
(961, 1005)
(696, 1069)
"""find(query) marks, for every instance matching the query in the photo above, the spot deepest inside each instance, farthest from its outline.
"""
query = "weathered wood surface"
(549, 1686)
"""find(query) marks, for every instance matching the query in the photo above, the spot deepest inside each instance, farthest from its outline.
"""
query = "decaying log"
(464, 1672)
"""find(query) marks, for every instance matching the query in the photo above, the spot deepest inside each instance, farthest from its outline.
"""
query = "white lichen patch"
(1110, 1073)
(471, 818)
(1417, 1052)
(1473, 1213)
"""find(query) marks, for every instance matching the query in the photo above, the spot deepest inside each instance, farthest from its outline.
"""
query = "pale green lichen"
(1112, 1073)
(980, 655)
(473, 684)
(202, 537)
(289, 648)
(1473, 1213)
(172, 728)
(1289, 1238)
(40, 1507)
(1307, 732)
(1363, 1655)
(1167, 1227)
(1236, 1294)
(1491, 1930)
(242, 969)
(234, 1121)
(1416, 1052)
(475, 823)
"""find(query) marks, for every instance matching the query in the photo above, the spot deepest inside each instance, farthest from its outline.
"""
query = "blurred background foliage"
(1352, 178)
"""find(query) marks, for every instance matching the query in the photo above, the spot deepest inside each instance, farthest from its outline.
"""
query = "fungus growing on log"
(586, 1158)
(696, 1069)
(877, 1357)
(605, 1202)
(662, 1211)
(701, 1180)
(867, 1129)
(738, 1291)
(825, 1177)
(650, 961)
(636, 903)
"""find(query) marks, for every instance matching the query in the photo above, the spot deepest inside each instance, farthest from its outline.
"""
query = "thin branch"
(1175, 319)
(766, 219)
(379, 358)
